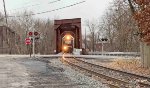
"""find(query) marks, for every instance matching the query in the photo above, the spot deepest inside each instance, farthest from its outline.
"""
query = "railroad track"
(114, 78)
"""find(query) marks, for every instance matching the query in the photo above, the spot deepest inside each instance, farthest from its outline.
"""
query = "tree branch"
(131, 7)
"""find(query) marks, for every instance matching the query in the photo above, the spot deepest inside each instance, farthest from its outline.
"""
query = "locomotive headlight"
(65, 48)
(68, 37)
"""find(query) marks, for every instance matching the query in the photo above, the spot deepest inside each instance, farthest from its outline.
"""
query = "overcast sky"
(87, 10)
(90, 9)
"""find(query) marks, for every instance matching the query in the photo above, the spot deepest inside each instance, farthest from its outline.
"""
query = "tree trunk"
(145, 55)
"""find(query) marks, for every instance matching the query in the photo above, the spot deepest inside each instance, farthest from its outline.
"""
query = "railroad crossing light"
(30, 33)
(36, 33)
(104, 39)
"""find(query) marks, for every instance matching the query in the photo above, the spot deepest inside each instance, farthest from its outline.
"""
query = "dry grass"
(129, 65)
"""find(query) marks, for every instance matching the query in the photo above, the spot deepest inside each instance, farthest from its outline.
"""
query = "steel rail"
(112, 82)
(108, 77)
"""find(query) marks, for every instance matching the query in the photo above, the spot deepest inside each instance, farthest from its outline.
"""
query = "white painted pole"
(85, 40)
(102, 48)
(33, 44)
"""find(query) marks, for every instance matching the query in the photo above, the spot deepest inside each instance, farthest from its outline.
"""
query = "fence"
(115, 53)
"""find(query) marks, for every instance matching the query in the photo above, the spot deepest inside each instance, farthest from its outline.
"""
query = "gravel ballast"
(79, 78)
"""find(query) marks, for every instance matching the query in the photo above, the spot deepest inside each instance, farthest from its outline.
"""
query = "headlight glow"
(65, 48)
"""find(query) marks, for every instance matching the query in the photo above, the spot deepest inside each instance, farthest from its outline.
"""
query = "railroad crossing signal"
(27, 41)
(34, 35)
(31, 33)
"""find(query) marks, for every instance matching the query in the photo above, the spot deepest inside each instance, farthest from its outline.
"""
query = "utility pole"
(5, 12)
(6, 21)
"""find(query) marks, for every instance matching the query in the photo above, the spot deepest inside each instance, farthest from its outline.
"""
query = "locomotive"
(67, 44)
(68, 35)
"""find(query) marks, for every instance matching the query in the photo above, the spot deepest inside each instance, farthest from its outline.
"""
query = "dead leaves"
(142, 16)
(129, 65)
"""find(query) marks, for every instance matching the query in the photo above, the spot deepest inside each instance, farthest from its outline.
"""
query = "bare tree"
(22, 25)
(25, 23)
(47, 38)
(1, 19)
(92, 26)
(119, 28)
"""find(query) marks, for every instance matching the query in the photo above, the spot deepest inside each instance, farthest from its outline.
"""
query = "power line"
(30, 2)
(53, 9)
(35, 5)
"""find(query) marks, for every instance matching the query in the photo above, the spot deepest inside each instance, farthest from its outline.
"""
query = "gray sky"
(91, 9)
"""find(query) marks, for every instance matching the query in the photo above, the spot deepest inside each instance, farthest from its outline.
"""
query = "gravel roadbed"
(78, 77)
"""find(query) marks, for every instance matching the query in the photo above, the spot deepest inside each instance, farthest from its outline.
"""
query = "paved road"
(12, 74)
(32, 73)
(25, 72)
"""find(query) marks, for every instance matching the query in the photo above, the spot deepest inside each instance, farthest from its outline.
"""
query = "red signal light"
(36, 33)
(30, 33)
